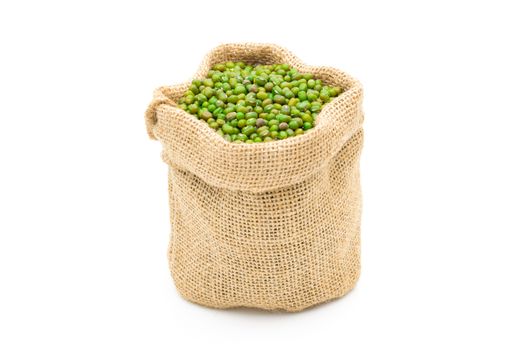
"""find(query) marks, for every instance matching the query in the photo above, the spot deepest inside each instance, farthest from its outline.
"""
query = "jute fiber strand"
(272, 225)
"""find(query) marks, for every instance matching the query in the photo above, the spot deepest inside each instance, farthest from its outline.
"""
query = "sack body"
(270, 225)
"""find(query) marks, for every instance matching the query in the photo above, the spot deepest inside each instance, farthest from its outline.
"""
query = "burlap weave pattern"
(271, 225)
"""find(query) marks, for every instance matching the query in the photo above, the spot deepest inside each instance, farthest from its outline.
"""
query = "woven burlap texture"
(271, 225)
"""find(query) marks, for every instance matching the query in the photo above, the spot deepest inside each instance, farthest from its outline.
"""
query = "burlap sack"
(271, 225)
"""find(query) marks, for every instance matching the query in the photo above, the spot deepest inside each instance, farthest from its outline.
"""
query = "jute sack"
(270, 225)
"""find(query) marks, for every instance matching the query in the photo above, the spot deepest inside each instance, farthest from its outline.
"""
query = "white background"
(84, 221)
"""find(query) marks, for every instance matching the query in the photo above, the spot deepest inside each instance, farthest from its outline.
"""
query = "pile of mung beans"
(257, 103)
